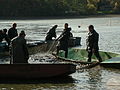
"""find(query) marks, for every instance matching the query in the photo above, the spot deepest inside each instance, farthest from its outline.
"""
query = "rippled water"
(97, 78)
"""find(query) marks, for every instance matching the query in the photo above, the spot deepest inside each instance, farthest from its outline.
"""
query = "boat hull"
(80, 56)
(113, 62)
(31, 71)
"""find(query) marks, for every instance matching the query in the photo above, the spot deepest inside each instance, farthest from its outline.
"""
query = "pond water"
(97, 78)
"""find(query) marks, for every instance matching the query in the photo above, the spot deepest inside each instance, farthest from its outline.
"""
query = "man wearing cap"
(5, 36)
(19, 51)
(92, 43)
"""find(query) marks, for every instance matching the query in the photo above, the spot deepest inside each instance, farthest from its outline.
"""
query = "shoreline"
(59, 17)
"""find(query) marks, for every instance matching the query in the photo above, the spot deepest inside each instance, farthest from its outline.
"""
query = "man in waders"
(64, 39)
(13, 31)
(92, 43)
(19, 51)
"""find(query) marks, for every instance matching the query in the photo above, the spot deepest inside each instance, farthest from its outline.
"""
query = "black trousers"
(63, 45)
(96, 53)
(66, 51)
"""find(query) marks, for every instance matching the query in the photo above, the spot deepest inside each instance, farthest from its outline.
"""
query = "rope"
(53, 43)
(80, 64)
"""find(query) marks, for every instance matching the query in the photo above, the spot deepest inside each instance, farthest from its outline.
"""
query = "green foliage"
(37, 8)
(116, 8)
(91, 9)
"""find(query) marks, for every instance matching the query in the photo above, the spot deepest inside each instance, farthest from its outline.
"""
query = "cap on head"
(14, 24)
(66, 24)
(22, 33)
(55, 26)
(5, 30)
(91, 26)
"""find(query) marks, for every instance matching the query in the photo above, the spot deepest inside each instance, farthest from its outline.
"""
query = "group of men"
(18, 46)
(63, 38)
(91, 41)
(12, 32)
(17, 43)
(3, 35)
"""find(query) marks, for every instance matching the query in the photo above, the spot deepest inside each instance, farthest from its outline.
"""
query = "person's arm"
(54, 34)
(26, 50)
(95, 44)
(16, 32)
(61, 35)
(9, 33)
(7, 39)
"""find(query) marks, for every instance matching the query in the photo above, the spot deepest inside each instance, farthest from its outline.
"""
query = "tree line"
(37, 8)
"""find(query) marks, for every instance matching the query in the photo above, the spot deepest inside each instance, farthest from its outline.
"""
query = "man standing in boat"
(13, 31)
(92, 43)
(19, 51)
(64, 39)
(51, 33)
(5, 36)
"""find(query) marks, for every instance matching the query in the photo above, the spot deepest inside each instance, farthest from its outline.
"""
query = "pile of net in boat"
(49, 58)
(43, 58)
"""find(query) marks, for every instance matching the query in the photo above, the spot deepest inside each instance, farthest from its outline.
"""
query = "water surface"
(97, 78)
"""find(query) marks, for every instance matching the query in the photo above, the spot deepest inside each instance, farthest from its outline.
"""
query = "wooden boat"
(80, 56)
(43, 70)
(33, 71)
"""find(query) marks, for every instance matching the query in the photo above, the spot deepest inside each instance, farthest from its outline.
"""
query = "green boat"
(80, 56)
(113, 62)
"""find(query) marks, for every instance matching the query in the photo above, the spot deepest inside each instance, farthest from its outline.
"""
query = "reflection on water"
(97, 78)
(4, 60)
(38, 84)
(53, 80)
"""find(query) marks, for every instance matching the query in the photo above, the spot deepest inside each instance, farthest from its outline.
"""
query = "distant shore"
(58, 17)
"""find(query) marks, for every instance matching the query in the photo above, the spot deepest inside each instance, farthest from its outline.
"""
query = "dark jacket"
(51, 34)
(92, 40)
(1, 37)
(12, 33)
(19, 50)
(64, 38)
(6, 37)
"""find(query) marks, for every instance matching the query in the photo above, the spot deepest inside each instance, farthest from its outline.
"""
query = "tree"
(116, 8)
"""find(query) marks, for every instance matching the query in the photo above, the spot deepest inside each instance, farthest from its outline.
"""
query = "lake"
(97, 78)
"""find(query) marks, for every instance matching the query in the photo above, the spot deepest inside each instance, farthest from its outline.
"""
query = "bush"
(116, 8)
(91, 9)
